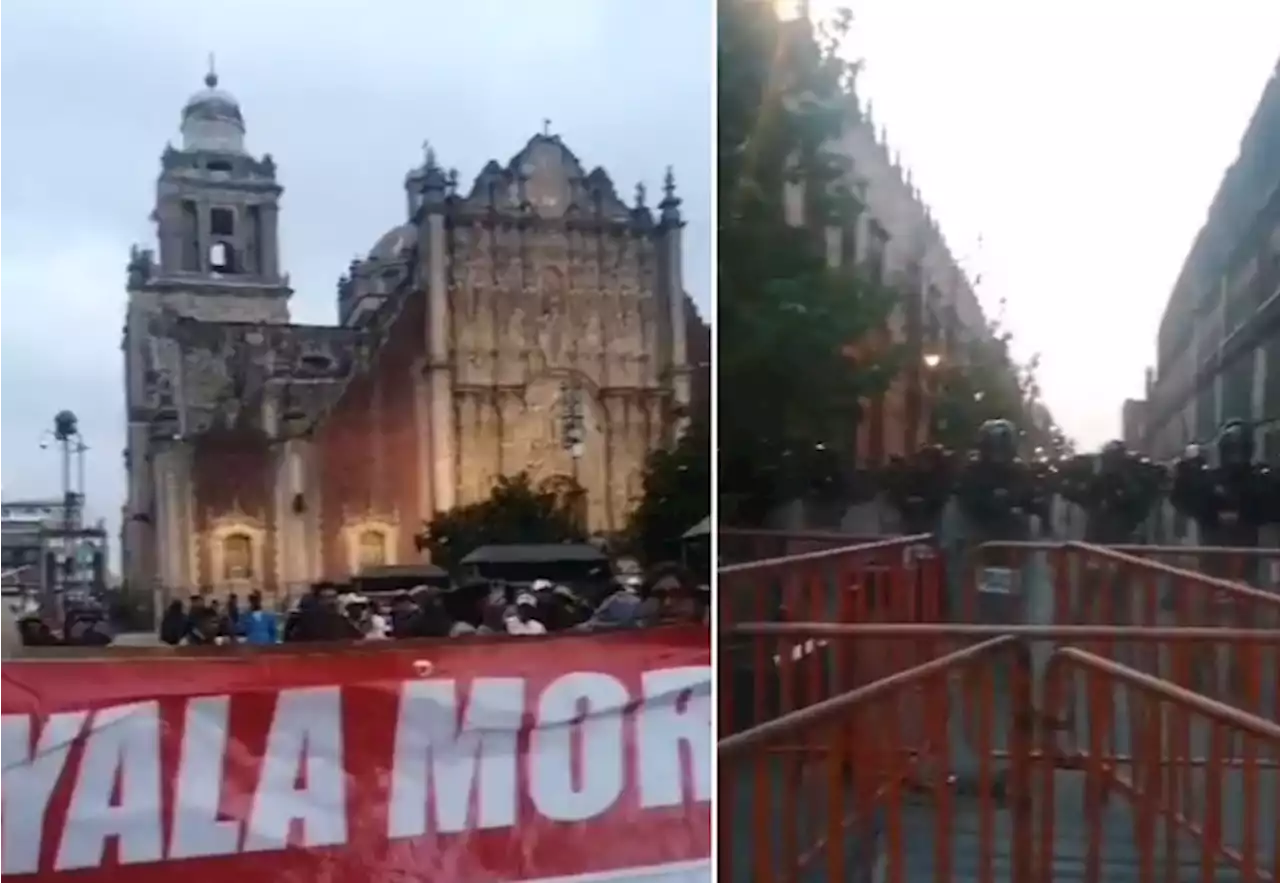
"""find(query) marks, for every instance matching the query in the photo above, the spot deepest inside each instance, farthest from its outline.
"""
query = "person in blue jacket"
(257, 626)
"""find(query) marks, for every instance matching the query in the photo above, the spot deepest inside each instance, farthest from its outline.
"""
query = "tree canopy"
(984, 382)
(677, 495)
(788, 322)
(515, 512)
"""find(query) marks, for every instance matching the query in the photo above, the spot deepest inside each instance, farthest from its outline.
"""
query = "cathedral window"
(372, 549)
(237, 557)
(222, 258)
(222, 222)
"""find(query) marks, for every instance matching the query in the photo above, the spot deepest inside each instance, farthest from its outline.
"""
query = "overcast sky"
(1083, 142)
(343, 94)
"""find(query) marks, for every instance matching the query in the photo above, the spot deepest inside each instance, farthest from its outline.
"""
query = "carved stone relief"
(546, 185)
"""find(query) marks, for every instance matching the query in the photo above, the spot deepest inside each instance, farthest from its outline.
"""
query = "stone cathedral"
(266, 454)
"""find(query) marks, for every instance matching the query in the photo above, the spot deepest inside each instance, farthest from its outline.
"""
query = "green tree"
(787, 386)
(516, 512)
(677, 495)
(983, 381)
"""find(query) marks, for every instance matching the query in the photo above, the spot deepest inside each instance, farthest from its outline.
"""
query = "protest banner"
(533, 759)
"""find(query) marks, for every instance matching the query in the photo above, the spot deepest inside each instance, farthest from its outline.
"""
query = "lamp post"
(573, 438)
(932, 362)
(65, 434)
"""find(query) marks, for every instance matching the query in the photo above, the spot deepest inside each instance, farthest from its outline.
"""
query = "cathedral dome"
(211, 120)
(394, 243)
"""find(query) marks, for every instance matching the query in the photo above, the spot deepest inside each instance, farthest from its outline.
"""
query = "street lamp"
(574, 438)
(61, 558)
(66, 435)
(931, 360)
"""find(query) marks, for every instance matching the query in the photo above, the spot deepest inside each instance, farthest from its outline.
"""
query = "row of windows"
(20, 557)
(239, 555)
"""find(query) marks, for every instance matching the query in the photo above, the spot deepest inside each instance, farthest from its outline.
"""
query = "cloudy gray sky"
(1070, 151)
(343, 94)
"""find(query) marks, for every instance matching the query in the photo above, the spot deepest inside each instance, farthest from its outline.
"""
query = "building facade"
(1218, 347)
(23, 527)
(265, 454)
(1133, 423)
(48, 550)
(894, 239)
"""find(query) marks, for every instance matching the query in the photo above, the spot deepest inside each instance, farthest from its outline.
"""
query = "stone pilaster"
(443, 429)
(672, 287)
(676, 304)
(269, 244)
(312, 470)
(175, 546)
(204, 236)
(420, 378)
(291, 528)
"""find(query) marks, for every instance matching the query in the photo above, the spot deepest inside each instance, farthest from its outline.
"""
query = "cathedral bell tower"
(217, 221)
(217, 216)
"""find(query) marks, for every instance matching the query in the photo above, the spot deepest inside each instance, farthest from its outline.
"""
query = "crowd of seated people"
(479, 607)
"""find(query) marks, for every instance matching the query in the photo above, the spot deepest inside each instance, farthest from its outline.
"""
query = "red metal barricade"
(910, 779)
(892, 719)
(735, 545)
(1108, 585)
(888, 580)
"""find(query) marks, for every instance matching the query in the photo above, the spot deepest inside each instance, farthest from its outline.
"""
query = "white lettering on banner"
(436, 755)
(29, 780)
(466, 770)
(675, 717)
(569, 788)
(123, 748)
(197, 830)
(456, 766)
(306, 735)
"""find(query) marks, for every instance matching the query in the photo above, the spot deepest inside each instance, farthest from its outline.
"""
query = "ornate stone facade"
(267, 454)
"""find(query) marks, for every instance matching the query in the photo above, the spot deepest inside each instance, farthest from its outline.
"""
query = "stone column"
(186, 492)
(204, 235)
(291, 527)
(419, 377)
(172, 469)
(169, 224)
(443, 430)
(313, 476)
(268, 241)
(673, 288)
(140, 503)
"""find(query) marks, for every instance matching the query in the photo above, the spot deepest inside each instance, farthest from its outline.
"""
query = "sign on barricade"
(467, 760)
(997, 581)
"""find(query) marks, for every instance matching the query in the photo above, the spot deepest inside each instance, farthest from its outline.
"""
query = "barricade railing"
(737, 545)
(1240, 666)
(889, 580)
(905, 580)
(1102, 585)
(1200, 775)
(847, 583)
(1257, 566)
(945, 771)
(828, 790)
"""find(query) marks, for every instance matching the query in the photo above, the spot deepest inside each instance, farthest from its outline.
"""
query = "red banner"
(468, 760)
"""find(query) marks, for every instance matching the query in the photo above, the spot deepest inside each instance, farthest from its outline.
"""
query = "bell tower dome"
(217, 217)
(211, 119)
